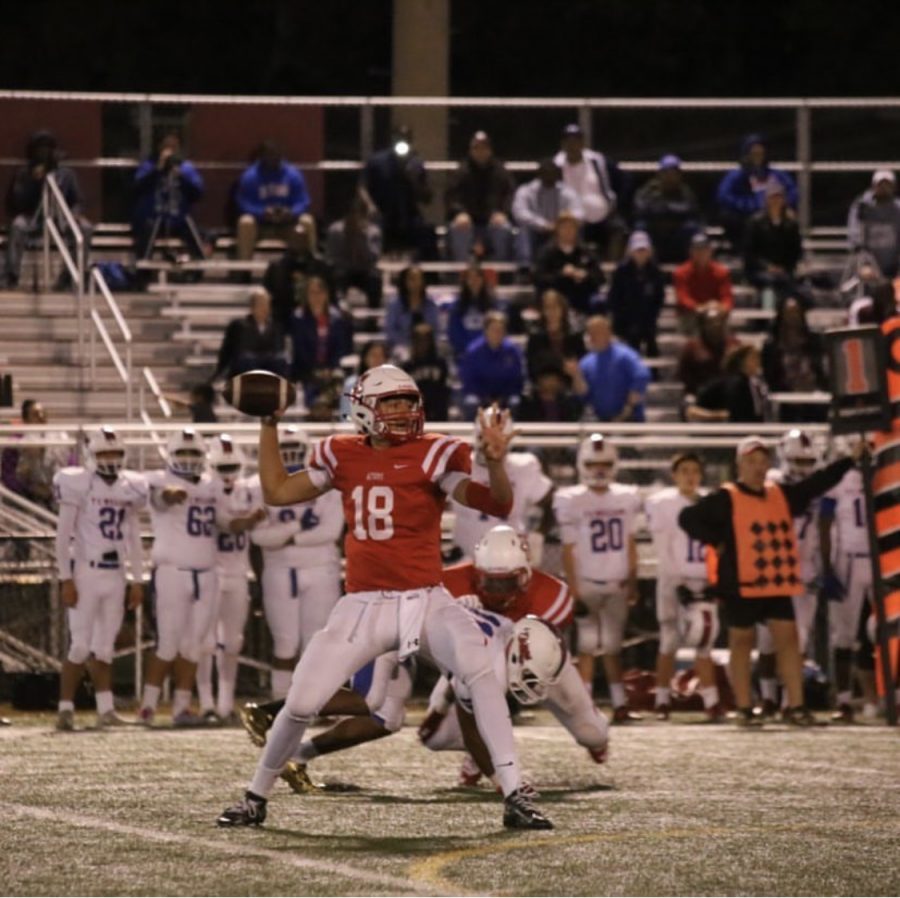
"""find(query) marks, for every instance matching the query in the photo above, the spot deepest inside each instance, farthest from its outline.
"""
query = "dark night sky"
(530, 47)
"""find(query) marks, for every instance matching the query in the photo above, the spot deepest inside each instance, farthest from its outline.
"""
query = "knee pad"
(232, 646)
(587, 632)
(78, 653)
(668, 637)
(285, 646)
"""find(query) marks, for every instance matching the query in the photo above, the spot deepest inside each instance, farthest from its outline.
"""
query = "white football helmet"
(107, 443)
(502, 570)
(377, 384)
(492, 414)
(798, 453)
(535, 657)
(186, 451)
(293, 443)
(226, 459)
(596, 461)
(698, 625)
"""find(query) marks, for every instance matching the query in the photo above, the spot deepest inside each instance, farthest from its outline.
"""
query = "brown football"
(259, 393)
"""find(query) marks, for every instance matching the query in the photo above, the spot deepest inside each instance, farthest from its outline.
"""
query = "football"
(259, 393)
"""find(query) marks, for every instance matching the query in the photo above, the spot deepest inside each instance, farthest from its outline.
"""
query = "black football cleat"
(798, 717)
(249, 811)
(622, 716)
(844, 714)
(520, 813)
(663, 712)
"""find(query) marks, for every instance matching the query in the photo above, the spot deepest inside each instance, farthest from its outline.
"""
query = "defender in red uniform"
(393, 481)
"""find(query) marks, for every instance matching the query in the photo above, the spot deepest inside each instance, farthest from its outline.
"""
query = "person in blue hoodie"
(742, 192)
(271, 198)
(492, 368)
(165, 188)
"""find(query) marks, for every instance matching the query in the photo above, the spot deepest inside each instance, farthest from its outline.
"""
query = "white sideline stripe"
(222, 847)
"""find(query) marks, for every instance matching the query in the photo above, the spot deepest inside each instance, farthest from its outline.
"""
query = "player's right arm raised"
(279, 487)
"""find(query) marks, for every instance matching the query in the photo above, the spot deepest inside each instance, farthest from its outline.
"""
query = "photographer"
(23, 205)
(165, 188)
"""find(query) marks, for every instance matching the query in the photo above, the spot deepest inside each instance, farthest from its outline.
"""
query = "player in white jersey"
(531, 488)
(301, 579)
(186, 513)
(681, 586)
(799, 456)
(598, 521)
(97, 530)
(241, 503)
(847, 579)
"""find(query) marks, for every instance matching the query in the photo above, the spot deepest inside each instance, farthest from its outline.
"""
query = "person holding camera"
(165, 188)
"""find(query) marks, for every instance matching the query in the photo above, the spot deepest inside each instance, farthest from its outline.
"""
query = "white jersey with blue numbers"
(529, 486)
(498, 631)
(598, 525)
(847, 503)
(302, 535)
(678, 556)
(104, 514)
(806, 528)
(233, 549)
(185, 534)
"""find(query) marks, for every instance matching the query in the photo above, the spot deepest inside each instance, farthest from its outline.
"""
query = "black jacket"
(734, 393)
(768, 243)
(243, 337)
(548, 274)
(480, 190)
(636, 298)
(279, 280)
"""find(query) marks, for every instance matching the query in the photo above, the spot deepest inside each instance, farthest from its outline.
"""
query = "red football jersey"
(547, 597)
(392, 505)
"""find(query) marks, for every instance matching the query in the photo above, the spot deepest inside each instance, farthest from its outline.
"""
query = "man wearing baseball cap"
(874, 222)
(749, 524)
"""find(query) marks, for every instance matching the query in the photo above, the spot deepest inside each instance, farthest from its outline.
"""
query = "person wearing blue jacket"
(271, 198)
(742, 192)
(411, 306)
(492, 368)
(465, 323)
(165, 188)
(612, 375)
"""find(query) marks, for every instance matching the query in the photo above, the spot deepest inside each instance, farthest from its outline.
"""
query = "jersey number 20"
(372, 513)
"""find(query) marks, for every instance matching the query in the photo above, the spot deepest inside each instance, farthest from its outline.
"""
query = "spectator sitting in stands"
(478, 201)
(569, 266)
(874, 222)
(287, 276)
(875, 308)
(373, 354)
(165, 188)
(200, 403)
(465, 323)
(537, 205)
(611, 375)
(352, 248)
(271, 199)
(698, 282)
(554, 342)
(321, 336)
(792, 360)
(429, 371)
(602, 188)
(667, 209)
(636, 294)
(24, 206)
(411, 306)
(742, 191)
(254, 341)
(738, 395)
(551, 398)
(492, 368)
(395, 184)
(773, 246)
(702, 357)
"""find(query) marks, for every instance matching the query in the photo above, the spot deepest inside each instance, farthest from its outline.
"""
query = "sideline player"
(226, 462)
(98, 526)
(598, 521)
(681, 581)
(301, 579)
(393, 481)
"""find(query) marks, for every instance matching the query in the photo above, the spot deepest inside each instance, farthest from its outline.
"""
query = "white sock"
(181, 702)
(228, 667)
(663, 694)
(710, 696)
(204, 683)
(306, 752)
(281, 682)
(286, 732)
(66, 706)
(617, 694)
(495, 729)
(768, 689)
(844, 697)
(151, 697)
(104, 702)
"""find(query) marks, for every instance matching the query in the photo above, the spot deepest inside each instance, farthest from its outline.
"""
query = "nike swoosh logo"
(397, 467)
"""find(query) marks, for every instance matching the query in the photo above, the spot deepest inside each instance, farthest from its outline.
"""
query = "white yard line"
(221, 846)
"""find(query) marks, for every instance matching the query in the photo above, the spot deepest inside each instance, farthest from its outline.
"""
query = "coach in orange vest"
(750, 525)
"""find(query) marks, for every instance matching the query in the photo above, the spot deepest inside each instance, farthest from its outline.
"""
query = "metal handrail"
(124, 369)
(153, 384)
(25, 505)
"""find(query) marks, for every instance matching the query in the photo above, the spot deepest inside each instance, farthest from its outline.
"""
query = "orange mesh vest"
(765, 544)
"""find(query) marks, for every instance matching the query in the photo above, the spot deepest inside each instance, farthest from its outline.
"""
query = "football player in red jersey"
(393, 480)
